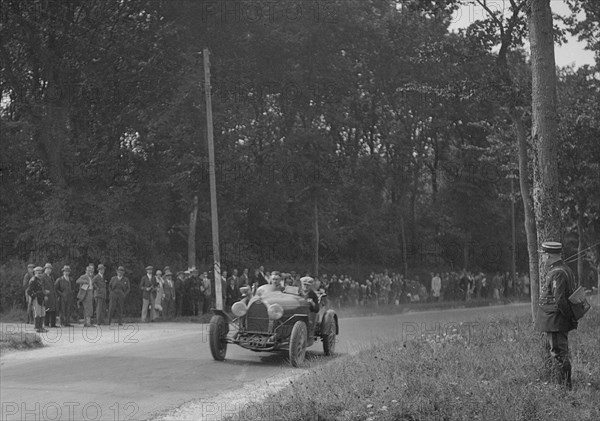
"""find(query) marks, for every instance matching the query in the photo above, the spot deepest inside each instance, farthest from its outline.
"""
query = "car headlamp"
(275, 311)
(239, 309)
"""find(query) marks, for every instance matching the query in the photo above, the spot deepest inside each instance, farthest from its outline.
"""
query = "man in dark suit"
(64, 291)
(39, 296)
(118, 287)
(100, 294)
(554, 314)
(261, 279)
(26, 278)
(169, 295)
(148, 286)
(179, 293)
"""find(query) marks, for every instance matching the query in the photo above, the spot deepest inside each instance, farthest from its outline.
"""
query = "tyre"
(328, 335)
(217, 337)
(298, 344)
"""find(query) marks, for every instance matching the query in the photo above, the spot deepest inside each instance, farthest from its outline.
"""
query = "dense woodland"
(364, 126)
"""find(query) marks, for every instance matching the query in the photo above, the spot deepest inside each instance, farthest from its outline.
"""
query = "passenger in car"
(309, 293)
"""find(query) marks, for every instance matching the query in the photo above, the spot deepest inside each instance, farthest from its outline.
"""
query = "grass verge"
(19, 341)
(456, 375)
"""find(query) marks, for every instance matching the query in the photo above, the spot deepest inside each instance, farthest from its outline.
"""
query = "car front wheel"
(298, 344)
(217, 336)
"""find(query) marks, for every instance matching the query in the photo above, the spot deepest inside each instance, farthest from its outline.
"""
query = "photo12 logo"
(68, 411)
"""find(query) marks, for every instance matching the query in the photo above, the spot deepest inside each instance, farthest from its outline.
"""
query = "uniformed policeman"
(554, 314)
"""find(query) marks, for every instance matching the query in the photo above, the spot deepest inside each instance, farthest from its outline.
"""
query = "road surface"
(147, 371)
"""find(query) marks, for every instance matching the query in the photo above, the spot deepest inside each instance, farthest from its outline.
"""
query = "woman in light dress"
(160, 292)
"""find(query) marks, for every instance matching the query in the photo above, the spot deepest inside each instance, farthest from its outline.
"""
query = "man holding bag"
(554, 314)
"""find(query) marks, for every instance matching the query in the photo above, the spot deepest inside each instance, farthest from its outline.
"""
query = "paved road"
(141, 370)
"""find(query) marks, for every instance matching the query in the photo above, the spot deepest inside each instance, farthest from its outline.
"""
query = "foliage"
(370, 110)
(492, 370)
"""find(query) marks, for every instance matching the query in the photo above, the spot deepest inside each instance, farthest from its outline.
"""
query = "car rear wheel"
(298, 344)
(328, 336)
(217, 337)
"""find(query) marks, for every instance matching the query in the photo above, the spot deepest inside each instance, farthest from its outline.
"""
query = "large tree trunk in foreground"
(530, 229)
(544, 128)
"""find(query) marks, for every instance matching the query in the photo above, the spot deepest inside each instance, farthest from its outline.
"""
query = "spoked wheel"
(298, 344)
(217, 336)
(329, 336)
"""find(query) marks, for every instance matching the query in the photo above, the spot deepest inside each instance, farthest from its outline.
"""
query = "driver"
(309, 294)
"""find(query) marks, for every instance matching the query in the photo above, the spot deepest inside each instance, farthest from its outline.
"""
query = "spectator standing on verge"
(36, 291)
(179, 293)
(100, 294)
(64, 292)
(119, 287)
(169, 294)
(51, 304)
(85, 295)
(26, 278)
(206, 303)
(148, 287)
(159, 293)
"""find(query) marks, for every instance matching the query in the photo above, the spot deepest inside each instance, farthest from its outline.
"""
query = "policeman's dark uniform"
(554, 314)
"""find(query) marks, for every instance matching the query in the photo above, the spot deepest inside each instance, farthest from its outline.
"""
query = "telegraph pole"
(213, 183)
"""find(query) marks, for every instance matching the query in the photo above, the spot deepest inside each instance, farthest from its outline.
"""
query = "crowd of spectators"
(190, 293)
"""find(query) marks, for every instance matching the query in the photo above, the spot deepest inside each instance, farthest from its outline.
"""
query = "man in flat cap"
(39, 297)
(148, 285)
(554, 314)
(64, 292)
(100, 294)
(119, 289)
(26, 278)
(51, 302)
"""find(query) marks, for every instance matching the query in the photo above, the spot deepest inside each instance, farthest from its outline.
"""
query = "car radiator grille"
(257, 319)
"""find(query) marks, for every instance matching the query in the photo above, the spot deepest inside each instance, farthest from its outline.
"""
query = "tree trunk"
(192, 235)
(544, 127)
(580, 246)
(530, 228)
(404, 252)
(316, 236)
(513, 230)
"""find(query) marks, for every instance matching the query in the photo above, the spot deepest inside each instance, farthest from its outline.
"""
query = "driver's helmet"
(306, 282)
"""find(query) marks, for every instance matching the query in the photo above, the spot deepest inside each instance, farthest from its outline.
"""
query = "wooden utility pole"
(213, 184)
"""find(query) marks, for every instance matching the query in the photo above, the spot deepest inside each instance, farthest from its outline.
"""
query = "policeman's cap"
(551, 247)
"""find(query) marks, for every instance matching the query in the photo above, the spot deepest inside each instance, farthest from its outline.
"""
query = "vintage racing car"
(274, 320)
